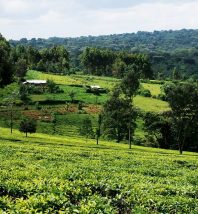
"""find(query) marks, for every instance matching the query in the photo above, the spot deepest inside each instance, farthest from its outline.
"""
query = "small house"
(95, 89)
(39, 84)
(36, 82)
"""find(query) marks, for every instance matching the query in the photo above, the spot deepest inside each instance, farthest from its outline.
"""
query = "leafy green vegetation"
(68, 117)
(44, 173)
(168, 50)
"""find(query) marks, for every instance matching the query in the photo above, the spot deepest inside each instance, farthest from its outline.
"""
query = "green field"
(49, 174)
(155, 89)
(151, 104)
(105, 82)
(66, 82)
(69, 122)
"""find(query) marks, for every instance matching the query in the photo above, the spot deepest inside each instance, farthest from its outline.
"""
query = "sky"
(73, 18)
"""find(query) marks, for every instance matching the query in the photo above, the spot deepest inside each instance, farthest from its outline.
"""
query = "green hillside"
(68, 83)
(166, 49)
(49, 174)
(69, 118)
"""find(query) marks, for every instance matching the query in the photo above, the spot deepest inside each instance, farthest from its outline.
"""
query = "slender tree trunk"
(11, 120)
(97, 139)
(129, 137)
(26, 134)
(180, 149)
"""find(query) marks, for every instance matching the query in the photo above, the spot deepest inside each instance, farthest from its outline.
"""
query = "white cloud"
(45, 18)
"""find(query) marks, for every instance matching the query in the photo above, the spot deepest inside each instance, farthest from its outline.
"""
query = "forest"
(167, 50)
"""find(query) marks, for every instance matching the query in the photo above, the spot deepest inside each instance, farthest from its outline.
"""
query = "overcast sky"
(71, 18)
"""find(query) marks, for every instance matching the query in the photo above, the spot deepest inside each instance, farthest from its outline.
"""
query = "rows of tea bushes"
(45, 174)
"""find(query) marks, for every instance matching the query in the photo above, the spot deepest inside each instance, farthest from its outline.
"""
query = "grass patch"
(155, 89)
(105, 82)
(151, 104)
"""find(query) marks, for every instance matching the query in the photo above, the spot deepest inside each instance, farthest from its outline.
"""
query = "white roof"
(35, 81)
(95, 86)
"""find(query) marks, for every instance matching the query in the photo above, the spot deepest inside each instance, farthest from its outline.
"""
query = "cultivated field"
(69, 119)
(49, 174)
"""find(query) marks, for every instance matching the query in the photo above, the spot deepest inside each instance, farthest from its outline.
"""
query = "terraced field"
(69, 121)
(66, 82)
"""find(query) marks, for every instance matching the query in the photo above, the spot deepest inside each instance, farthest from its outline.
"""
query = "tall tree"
(183, 100)
(6, 66)
(117, 114)
(129, 85)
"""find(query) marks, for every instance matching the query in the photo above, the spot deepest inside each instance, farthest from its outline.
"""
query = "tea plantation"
(51, 174)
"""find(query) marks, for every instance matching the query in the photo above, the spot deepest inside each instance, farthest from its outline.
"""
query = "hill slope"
(45, 173)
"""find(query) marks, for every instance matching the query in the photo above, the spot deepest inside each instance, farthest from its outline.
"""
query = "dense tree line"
(105, 62)
(15, 61)
(167, 49)
(54, 59)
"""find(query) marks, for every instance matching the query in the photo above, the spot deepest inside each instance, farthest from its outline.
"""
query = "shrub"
(162, 97)
(144, 92)
(52, 87)
(27, 125)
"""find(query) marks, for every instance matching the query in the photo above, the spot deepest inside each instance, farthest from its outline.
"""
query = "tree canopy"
(183, 100)
(6, 66)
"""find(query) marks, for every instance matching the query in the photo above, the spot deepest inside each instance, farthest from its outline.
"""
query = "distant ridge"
(167, 49)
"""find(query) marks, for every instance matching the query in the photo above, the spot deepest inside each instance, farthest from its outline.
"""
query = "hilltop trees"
(97, 62)
(54, 59)
(108, 63)
(6, 67)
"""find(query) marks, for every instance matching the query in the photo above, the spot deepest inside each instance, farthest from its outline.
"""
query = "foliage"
(159, 126)
(130, 84)
(72, 95)
(54, 59)
(118, 113)
(183, 100)
(24, 94)
(107, 63)
(98, 129)
(21, 68)
(6, 66)
(166, 49)
(86, 128)
(27, 125)
(144, 92)
(53, 88)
